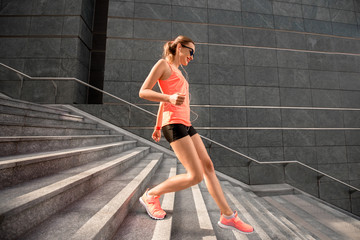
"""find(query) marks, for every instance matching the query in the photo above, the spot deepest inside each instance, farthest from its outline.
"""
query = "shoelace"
(237, 220)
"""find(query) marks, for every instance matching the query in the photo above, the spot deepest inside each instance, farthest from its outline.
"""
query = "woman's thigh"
(187, 154)
(202, 153)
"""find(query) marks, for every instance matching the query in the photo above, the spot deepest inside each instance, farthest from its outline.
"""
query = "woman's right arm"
(146, 91)
(157, 130)
(159, 115)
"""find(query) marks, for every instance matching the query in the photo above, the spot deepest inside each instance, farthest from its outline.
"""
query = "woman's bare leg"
(186, 152)
(211, 180)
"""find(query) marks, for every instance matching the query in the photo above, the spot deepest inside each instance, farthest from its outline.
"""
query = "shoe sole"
(232, 228)
(152, 216)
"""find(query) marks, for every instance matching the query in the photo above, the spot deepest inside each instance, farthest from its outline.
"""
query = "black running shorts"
(173, 132)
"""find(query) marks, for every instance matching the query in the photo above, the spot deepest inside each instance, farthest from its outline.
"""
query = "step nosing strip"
(28, 111)
(43, 138)
(201, 210)
(42, 157)
(62, 119)
(63, 126)
(34, 107)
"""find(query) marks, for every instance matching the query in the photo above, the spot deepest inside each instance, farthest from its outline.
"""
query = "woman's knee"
(195, 178)
(208, 166)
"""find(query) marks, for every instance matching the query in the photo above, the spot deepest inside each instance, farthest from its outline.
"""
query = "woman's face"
(186, 51)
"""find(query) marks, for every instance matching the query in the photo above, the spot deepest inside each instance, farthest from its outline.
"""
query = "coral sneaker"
(152, 206)
(235, 224)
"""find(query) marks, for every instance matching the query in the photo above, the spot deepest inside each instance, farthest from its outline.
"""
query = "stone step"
(32, 144)
(40, 114)
(157, 230)
(17, 169)
(267, 224)
(247, 214)
(24, 120)
(27, 205)
(37, 129)
(343, 225)
(272, 189)
(32, 106)
(287, 216)
(321, 223)
(99, 213)
(253, 210)
(281, 220)
(337, 212)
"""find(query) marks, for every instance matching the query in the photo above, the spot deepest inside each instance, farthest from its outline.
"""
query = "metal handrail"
(208, 139)
(266, 128)
(76, 80)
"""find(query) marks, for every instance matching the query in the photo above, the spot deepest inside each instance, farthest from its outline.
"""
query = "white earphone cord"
(187, 78)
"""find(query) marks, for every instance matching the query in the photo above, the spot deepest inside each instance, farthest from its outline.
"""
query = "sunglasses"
(191, 50)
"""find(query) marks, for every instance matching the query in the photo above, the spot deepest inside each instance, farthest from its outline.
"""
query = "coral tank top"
(175, 114)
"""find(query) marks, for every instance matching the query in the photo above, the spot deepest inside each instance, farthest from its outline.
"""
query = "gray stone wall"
(47, 38)
(271, 53)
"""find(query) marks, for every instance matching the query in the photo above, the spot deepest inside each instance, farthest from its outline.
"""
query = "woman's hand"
(177, 98)
(156, 135)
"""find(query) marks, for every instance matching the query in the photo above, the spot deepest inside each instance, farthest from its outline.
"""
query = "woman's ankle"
(151, 194)
(228, 212)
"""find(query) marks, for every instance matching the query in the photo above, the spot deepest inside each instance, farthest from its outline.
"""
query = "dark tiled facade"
(46, 39)
(256, 53)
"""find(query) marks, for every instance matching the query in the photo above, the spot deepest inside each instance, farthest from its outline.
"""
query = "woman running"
(174, 120)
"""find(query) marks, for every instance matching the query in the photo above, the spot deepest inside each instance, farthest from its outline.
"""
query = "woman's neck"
(175, 62)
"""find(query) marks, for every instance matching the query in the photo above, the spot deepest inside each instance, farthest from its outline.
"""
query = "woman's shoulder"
(163, 63)
(163, 66)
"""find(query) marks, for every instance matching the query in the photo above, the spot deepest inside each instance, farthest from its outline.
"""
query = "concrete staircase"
(65, 174)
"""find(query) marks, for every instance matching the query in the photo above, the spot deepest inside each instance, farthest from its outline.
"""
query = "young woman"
(174, 120)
